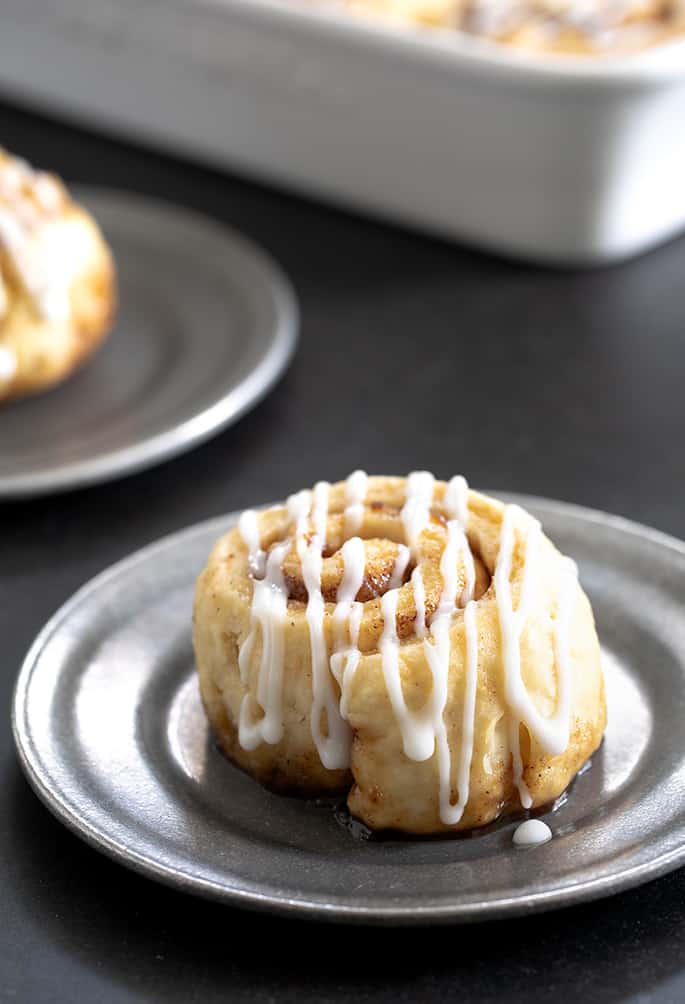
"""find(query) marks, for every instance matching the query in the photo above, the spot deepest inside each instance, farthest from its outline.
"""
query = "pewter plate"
(206, 325)
(109, 729)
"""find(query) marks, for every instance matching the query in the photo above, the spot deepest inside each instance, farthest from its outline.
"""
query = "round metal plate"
(110, 731)
(206, 325)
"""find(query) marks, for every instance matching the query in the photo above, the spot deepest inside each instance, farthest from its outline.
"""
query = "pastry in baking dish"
(57, 283)
(419, 646)
(574, 27)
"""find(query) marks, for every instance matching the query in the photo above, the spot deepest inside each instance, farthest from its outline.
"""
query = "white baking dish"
(552, 159)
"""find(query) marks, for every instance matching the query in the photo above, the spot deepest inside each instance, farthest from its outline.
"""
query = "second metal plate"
(206, 324)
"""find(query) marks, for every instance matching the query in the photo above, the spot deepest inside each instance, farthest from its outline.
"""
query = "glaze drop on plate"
(531, 833)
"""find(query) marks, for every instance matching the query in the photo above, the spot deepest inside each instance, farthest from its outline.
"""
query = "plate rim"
(627, 877)
(203, 425)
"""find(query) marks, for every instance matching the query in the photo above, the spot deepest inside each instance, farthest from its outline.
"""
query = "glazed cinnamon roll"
(419, 646)
(565, 27)
(57, 285)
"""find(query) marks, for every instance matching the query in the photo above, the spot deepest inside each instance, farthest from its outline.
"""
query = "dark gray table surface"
(414, 354)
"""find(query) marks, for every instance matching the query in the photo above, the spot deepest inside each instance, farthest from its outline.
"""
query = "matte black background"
(414, 354)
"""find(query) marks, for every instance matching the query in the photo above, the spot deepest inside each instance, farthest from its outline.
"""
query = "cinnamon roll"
(57, 285)
(414, 644)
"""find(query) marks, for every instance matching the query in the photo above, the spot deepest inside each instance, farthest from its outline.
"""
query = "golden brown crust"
(387, 789)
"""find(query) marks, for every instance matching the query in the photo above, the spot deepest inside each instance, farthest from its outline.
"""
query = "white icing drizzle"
(347, 618)
(12, 237)
(438, 654)
(456, 500)
(12, 175)
(8, 363)
(333, 748)
(351, 656)
(418, 733)
(415, 515)
(354, 561)
(551, 733)
(355, 493)
(456, 504)
(511, 625)
(416, 509)
(24, 236)
(532, 833)
(249, 531)
(47, 192)
(299, 506)
(400, 567)
(423, 732)
(269, 611)
(451, 813)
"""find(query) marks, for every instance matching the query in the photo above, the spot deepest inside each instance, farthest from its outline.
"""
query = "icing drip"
(347, 618)
(8, 364)
(551, 733)
(424, 732)
(355, 489)
(438, 651)
(451, 813)
(299, 506)
(333, 748)
(456, 504)
(13, 174)
(29, 202)
(47, 192)
(457, 500)
(415, 515)
(532, 833)
(269, 611)
(416, 509)
(401, 562)
(418, 734)
(511, 625)
(249, 531)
